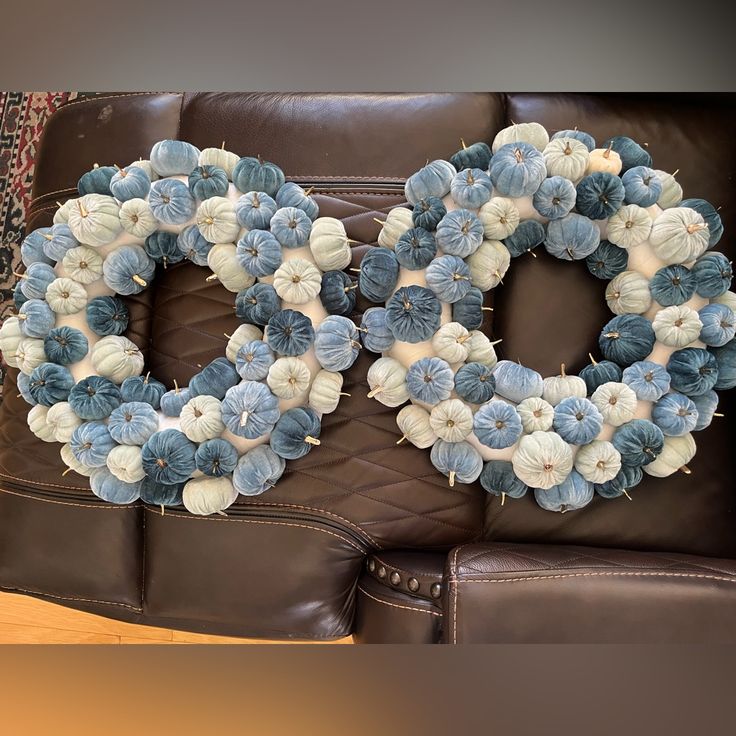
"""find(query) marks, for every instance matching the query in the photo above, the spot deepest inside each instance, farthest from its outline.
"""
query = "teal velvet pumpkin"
(254, 210)
(128, 270)
(516, 382)
(626, 339)
(65, 345)
(641, 186)
(719, 325)
(32, 247)
(168, 457)
(132, 182)
(36, 318)
(573, 493)
(639, 442)
(214, 379)
(36, 279)
(631, 153)
(413, 314)
(517, 169)
(675, 414)
(142, 389)
(459, 233)
(250, 410)
(706, 404)
(23, 382)
(216, 457)
(430, 380)
(172, 402)
(377, 337)
(527, 236)
(58, 241)
(379, 272)
(497, 425)
(19, 298)
(292, 195)
(253, 360)
(193, 245)
(96, 180)
(290, 333)
(498, 479)
(449, 278)
(474, 383)
(627, 478)
(577, 420)
(258, 471)
(257, 304)
(259, 253)
(171, 202)
(336, 343)
(578, 135)
(726, 360)
(132, 423)
(428, 213)
(710, 215)
(647, 379)
(295, 433)
(159, 494)
(433, 180)
(416, 248)
(459, 461)
(208, 181)
(107, 315)
(253, 175)
(597, 373)
(599, 195)
(572, 237)
(476, 156)
(163, 247)
(94, 397)
(468, 311)
(111, 489)
(291, 227)
(172, 158)
(713, 274)
(471, 188)
(607, 261)
(555, 197)
(337, 293)
(50, 383)
(672, 285)
(693, 371)
(91, 443)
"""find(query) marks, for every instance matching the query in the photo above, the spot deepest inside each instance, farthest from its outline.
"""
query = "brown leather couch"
(363, 536)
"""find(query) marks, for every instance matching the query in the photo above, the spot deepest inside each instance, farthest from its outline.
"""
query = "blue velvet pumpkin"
(208, 181)
(216, 457)
(291, 227)
(474, 383)
(254, 210)
(497, 425)
(94, 397)
(597, 373)
(672, 285)
(23, 382)
(471, 188)
(641, 186)
(295, 433)
(377, 337)
(430, 380)
(719, 325)
(631, 153)
(379, 272)
(168, 457)
(96, 180)
(726, 360)
(577, 420)
(449, 278)
(337, 293)
(32, 247)
(675, 414)
(142, 389)
(111, 489)
(132, 423)
(172, 402)
(91, 443)
(50, 383)
(639, 441)
(428, 213)
(132, 182)
(172, 158)
(292, 195)
(475, 156)
(36, 318)
(107, 315)
(516, 382)
(128, 270)
(251, 174)
(457, 460)
(459, 233)
(693, 371)
(517, 169)
(572, 237)
(160, 494)
(607, 261)
(257, 304)
(253, 360)
(413, 314)
(555, 197)
(527, 236)
(259, 253)
(416, 248)
(36, 279)
(432, 180)
(250, 410)
(573, 493)
(193, 245)
(578, 135)
(498, 479)
(258, 471)
(627, 478)
(290, 333)
(710, 215)
(468, 311)
(163, 247)
(706, 404)
(214, 379)
(19, 298)
(626, 339)
(58, 241)
(599, 195)
(171, 202)
(65, 345)
(336, 343)
(713, 275)
(647, 379)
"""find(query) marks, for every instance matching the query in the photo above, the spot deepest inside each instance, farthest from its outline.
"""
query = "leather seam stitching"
(106, 507)
(454, 588)
(70, 598)
(719, 578)
(40, 483)
(397, 605)
(88, 100)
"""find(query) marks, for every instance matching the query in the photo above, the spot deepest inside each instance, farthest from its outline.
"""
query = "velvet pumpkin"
(450, 342)
(65, 296)
(201, 418)
(598, 461)
(555, 197)
(36, 318)
(65, 345)
(296, 433)
(642, 186)
(168, 457)
(566, 157)
(647, 379)
(629, 227)
(91, 443)
(631, 153)
(257, 304)
(572, 237)
(532, 134)
(19, 298)
(427, 214)
(254, 210)
(208, 181)
(671, 195)
(449, 278)
(23, 383)
(599, 195)
(499, 218)
(516, 382)
(292, 195)
(215, 379)
(398, 221)
(379, 272)
(675, 414)
(710, 214)
(336, 343)
(325, 391)
(132, 182)
(62, 420)
(679, 235)
(193, 245)
(413, 314)
(480, 349)
(713, 274)
(170, 202)
(244, 333)
(474, 382)
(289, 378)
(252, 174)
(338, 293)
(433, 180)
(517, 169)
(250, 410)
(536, 414)
(706, 404)
(607, 260)
(96, 180)
(205, 496)
(468, 311)
(106, 486)
(488, 265)
(220, 158)
(719, 325)
(329, 244)
(626, 339)
(497, 425)
(257, 471)
(498, 479)
(10, 338)
(542, 460)
(128, 270)
(289, 332)
(142, 389)
(577, 420)
(616, 402)
(70, 460)
(172, 158)
(291, 227)
(116, 358)
(677, 326)
(673, 285)
(217, 220)
(627, 478)
(429, 380)
(628, 293)
(573, 493)
(471, 188)
(415, 249)
(83, 265)
(163, 248)
(676, 453)
(158, 494)
(259, 253)
(107, 315)
(30, 354)
(605, 159)
(475, 156)
(639, 442)
(136, 218)
(222, 259)
(132, 423)
(172, 402)
(36, 280)
(32, 248)
(451, 420)
(38, 425)
(693, 371)
(459, 461)
(577, 135)
(387, 381)
(216, 457)
(297, 281)
(376, 335)
(563, 386)
(413, 421)
(253, 360)
(94, 397)
(525, 238)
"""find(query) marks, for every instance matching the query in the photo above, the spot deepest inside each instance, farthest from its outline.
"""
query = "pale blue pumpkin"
(36, 318)
(710, 215)
(627, 478)
(295, 433)
(498, 479)
(433, 180)
(208, 181)
(527, 236)
(642, 186)
(58, 241)
(517, 170)
(578, 135)
(23, 382)
(251, 174)
(719, 325)
(172, 402)
(214, 379)
(675, 414)
(599, 195)
(160, 494)
(693, 371)
(111, 489)
(572, 237)
(471, 188)
(259, 253)
(416, 248)
(459, 233)
(171, 202)
(107, 315)
(516, 382)
(497, 425)
(32, 247)
(132, 182)
(706, 404)
(253, 360)
(639, 441)
(555, 197)
(597, 373)
(647, 379)
(171, 158)
(475, 156)
(474, 383)
(96, 180)
(336, 343)
(626, 339)
(257, 304)
(573, 493)
(163, 247)
(577, 420)
(428, 213)
(216, 457)
(449, 278)
(631, 153)
(458, 460)
(36, 280)
(50, 383)
(379, 272)
(91, 443)
(672, 285)
(413, 314)
(133, 423)
(713, 274)
(337, 293)
(19, 298)
(258, 471)
(142, 389)
(254, 210)
(168, 457)
(468, 311)
(726, 360)
(250, 410)
(377, 337)
(65, 345)
(193, 245)
(94, 397)
(290, 333)
(128, 270)
(607, 261)
(291, 227)
(292, 195)
(430, 380)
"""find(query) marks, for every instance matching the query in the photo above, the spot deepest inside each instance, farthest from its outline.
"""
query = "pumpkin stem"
(532, 253)
(607, 152)
(162, 509)
(342, 393)
(350, 288)
(222, 147)
(20, 275)
(47, 236)
(312, 440)
(138, 280)
(353, 242)
(719, 415)
(221, 513)
(462, 143)
(68, 470)
(562, 370)
(686, 470)
(486, 309)
(309, 191)
(677, 171)
(626, 493)
(380, 222)
(592, 359)
(495, 342)
(212, 277)
(354, 270)
(243, 418)
(401, 439)
(145, 380)
(82, 210)
(59, 204)
(374, 392)
(229, 337)
(518, 156)
(503, 498)
(695, 227)
(452, 478)
(260, 160)
(176, 386)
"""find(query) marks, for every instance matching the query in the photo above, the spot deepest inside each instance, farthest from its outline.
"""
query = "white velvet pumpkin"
(413, 421)
(326, 390)
(205, 495)
(217, 221)
(387, 382)
(616, 402)
(488, 264)
(62, 419)
(201, 418)
(397, 222)
(628, 293)
(30, 354)
(566, 157)
(145, 164)
(95, 219)
(677, 326)
(297, 281)
(679, 235)
(676, 454)
(542, 460)
(225, 266)
(450, 342)
(117, 358)
(219, 157)
(481, 350)
(629, 227)
(728, 298)
(451, 420)
(500, 217)
(61, 216)
(83, 264)
(328, 243)
(598, 461)
(10, 338)
(557, 388)
(536, 415)
(532, 133)
(38, 425)
(137, 219)
(245, 333)
(72, 463)
(65, 296)
(671, 195)
(289, 378)
(606, 160)
(125, 463)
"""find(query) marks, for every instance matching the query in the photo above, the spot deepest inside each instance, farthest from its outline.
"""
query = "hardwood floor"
(25, 620)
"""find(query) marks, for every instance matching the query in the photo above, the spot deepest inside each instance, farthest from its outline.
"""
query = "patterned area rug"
(22, 118)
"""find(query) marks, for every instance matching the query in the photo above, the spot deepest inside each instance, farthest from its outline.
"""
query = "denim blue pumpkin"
(626, 339)
(36, 279)
(336, 343)
(254, 210)
(259, 253)
(208, 181)
(497, 425)
(430, 380)
(596, 373)
(292, 195)
(172, 158)
(475, 156)
(36, 318)
(258, 471)
(498, 479)
(647, 379)
(111, 489)
(428, 213)
(577, 420)
(168, 457)
(517, 169)
(693, 371)
(555, 197)
(171, 202)
(607, 261)
(572, 237)
(459, 233)
(91, 443)
(599, 195)
(706, 404)
(257, 304)
(639, 442)
(143, 389)
(295, 433)
(527, 236)
(468, 311)
(471, 188)
(250, 410)
(65, 345)
(673, 285)
(432, 180)
(23, 382)
(32, 249)
(516, 382)
(128, 270)
(642, 186)
(253, 360)
(132, 423)
(132, 182)
(163, 247)
(710, 215)
(631, 153)
(214, 379)
(50, 383)
(107, 315)
(449, 278)
(291, 227)
(578, 135)
(58, 241)
(94, 397)
(416, 248)
(457, 460)
(96, 180)
(19, 298)
(160, 494)
(719, 325)
(252, 174)
(379, 272)
(713, 275)
(337, 293)
(216, 457)
(193, 245)
(172, 402)
(413, 314)
(627, 478)
(474, 383)
(573, 493)
(376, 335)
(290, 332)
(675, 414)
(726, 360)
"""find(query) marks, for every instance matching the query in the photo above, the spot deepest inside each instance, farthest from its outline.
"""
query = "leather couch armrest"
(537, 593)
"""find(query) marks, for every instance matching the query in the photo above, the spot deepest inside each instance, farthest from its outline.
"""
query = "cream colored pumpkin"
(245, 333)
(38, 425)
(326, 390)
(451, 420)
(30, 354)
(61, 216)
(450, 342)
(676, 454)
(72, 463)
(536, 414)
(201, 418)
(628, 293)
(677, 326)
(488, 264)
(481, 350)
(598, 461)
(289, 378)
(616, 402)
(679, 235)
(328, 243)
(137, 219)
(217, 221)
(145, 164)
(65, 296)
(629, 227)
(532, 133)
(63, 421)
(566, 157)
(117, 358)
(557, 388)
(728, 298)
(413, 421)
(671, 195)
(387, 382)
(225, 267)
(542, 460)
(226, 160)
(297, 281)
(125, 463)
(398, 221)
(95, 219)
(83, 264)
(500, 217)
(204, 495)
(10, 339)
(606, 160)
